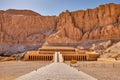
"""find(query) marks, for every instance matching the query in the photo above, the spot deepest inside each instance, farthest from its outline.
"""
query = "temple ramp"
(56, 71)
(56, 57)
(60, 57)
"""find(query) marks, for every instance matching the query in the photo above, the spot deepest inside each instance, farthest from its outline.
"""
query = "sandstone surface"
(25, 27)
(102, 22)
(112, 52)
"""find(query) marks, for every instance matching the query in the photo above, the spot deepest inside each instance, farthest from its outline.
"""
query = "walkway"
(56, 71)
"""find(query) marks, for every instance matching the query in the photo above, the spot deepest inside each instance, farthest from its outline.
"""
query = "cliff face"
(102, 22)
(22, 30)
(27, 27)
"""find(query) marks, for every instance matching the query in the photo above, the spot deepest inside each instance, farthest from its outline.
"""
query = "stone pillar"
(33, 58)
(66, 58)
(81, 58)
(41, 58)
(70, 57)
(75, 58)
(46, 58)
(78, 58)
(29, 58)
(85, 58)
(50, 58)
(37, 58)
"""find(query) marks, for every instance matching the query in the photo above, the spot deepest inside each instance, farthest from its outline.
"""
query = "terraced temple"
(47, 53)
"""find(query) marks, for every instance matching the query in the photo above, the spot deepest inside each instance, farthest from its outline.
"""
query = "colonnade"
(65, 57)
(77, 57)
(41, 58)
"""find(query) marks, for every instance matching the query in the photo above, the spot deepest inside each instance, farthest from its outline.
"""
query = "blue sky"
(52, 7)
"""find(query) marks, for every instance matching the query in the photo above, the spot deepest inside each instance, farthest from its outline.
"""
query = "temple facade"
(46, 53)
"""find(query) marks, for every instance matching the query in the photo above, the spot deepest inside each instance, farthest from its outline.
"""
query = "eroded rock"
(30, 28)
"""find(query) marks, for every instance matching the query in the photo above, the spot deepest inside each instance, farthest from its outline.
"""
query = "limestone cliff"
(25, 27)
(22, 29)
(102, 22)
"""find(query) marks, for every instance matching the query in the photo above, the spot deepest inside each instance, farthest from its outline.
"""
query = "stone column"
(83, 58)
(46, 58)
(65, 57)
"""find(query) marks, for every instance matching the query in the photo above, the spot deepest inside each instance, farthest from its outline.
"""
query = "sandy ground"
(108, 70)
(12, 69)
(56, 71)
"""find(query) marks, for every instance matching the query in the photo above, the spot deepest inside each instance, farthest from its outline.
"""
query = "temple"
(47, 53)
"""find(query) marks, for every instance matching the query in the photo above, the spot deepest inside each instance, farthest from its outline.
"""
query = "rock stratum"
(21, 29)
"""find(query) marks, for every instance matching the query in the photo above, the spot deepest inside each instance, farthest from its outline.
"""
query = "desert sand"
(107, 70)
(102, 70)
(10, 70)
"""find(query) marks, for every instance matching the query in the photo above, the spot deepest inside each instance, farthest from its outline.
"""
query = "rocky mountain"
(112, 52)
(21, 28)
(102, 22)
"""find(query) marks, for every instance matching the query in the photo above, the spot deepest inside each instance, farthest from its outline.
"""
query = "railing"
(60, 57)
(55, 57)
